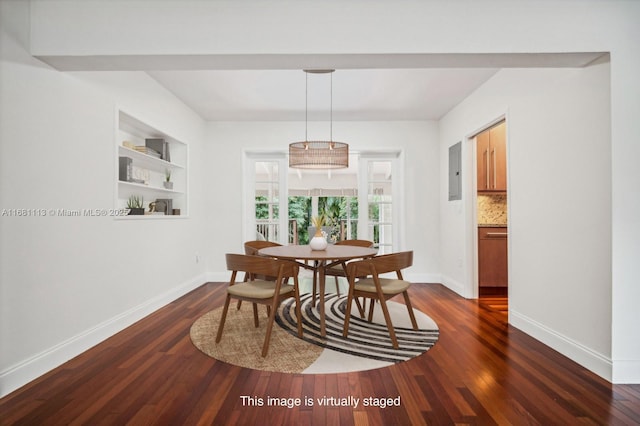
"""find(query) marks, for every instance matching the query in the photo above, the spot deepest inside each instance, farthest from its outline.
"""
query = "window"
(364, 205)
(379, 204)
(267, 202)
(342, 214)
(266, 208)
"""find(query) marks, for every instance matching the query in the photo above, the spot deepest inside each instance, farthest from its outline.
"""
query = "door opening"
(492, 217)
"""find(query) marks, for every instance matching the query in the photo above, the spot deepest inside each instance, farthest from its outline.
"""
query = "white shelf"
(149, 187)
(150, 168)
(151, 217)
(133, 186)
(147, 161)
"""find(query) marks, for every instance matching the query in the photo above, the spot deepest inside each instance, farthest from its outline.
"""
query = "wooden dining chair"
(339, 269)
(377, 288)
(257, 291)
(251, 248)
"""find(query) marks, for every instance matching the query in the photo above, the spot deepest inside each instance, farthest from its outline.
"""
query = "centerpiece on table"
(319, 240)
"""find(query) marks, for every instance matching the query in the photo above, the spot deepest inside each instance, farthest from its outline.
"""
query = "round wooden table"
(321, 259)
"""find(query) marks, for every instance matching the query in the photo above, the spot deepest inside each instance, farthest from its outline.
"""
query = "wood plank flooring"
(482, 371)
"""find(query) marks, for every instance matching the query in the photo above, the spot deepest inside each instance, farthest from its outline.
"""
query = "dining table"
(320, 260)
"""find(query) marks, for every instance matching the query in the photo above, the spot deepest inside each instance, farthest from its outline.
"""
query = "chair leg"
(314, 288)
(387, 319)
(410, 309)
(256, 323)
(337, 286)
(267, 337)
(298, 309)
(223, 318)
(347, 313)
(372, 304)
(239, 304)
(360, 308)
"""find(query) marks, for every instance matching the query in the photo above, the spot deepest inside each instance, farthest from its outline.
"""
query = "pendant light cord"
(306, 106)
(331, 110)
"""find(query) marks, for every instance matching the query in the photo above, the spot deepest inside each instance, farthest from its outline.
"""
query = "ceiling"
(369, 88)
(356, 95)
(382, 87)
(271, 87)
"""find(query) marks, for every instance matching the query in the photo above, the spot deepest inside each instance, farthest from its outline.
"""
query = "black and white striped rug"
(365, 340)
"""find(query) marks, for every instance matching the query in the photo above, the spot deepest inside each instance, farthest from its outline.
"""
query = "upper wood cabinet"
(491, 151)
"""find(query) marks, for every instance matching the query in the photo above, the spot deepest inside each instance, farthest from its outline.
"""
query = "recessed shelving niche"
(143, 173)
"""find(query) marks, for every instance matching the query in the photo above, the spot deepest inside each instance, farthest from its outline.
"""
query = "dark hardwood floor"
(481, 371)
(496, 299)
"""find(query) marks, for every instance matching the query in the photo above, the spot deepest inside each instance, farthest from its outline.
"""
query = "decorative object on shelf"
(318, 154)
(167, 183)
(140, 175)
(135, 205)
(125, 172)
(159, 145)
(164, 205)
(319, 240)
(148, 151)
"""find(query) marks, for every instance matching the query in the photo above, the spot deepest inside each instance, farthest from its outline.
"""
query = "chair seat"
(388, 285)
(257, 289)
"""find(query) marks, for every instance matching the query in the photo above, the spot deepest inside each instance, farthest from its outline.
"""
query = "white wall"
(559, 166)
(69, 282)
(418, 141)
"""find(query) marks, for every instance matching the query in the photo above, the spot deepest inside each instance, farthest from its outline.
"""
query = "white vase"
(318, 243)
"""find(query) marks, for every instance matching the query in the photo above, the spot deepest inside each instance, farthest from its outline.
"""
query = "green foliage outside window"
(300, 210)
(336, 210)
(262, 208)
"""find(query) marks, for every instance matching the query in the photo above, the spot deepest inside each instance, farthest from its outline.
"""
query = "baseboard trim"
(453, 285)
(218, 277)
(425, 278)
(24, 372)
(583, 355)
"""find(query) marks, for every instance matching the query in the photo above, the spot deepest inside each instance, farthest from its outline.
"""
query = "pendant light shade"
(318, 154)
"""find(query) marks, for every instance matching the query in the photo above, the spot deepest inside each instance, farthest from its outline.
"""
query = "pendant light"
(318, 154)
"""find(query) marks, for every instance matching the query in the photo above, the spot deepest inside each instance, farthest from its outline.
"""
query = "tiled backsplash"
(492, 209)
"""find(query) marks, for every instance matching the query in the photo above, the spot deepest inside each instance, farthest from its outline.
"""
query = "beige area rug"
(241, 342)
(367, 346)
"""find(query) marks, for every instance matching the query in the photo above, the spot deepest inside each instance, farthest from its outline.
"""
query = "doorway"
(491, 186)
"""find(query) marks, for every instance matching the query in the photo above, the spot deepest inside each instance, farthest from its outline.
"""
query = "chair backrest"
(358, 243)
(252, 247)
(258, 265)
(382, 264)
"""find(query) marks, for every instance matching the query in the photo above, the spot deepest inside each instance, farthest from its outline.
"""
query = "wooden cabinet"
(492, 159)
(492, 257)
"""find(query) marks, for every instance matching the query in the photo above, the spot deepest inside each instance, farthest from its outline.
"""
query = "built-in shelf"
(146, 174)
(147, 161)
